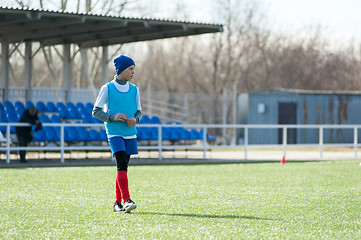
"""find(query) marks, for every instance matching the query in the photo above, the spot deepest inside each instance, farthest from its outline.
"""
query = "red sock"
(118, 194)
(122, 179)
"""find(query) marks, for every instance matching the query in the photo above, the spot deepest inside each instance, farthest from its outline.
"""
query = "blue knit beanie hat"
(122, 62)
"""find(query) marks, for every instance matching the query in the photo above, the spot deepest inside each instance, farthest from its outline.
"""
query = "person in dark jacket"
(24, 134)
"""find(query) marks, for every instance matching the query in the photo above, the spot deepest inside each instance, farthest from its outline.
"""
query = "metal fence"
(203, 145)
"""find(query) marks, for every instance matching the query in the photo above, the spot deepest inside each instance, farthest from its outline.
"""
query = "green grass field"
(236, 201)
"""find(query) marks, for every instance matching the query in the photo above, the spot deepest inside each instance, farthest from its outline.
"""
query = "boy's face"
(128, 73)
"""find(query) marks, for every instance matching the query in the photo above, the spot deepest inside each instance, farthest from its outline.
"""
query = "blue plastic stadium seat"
(19, 106)
(86, 118)
(41, 107)
(145, 119)
(51, 107)
(96, 120)
(212, 138)
(184, 134)
(93, 135)
(3, 115)
(103, 135)
(29, 104)
(83, 134)
(12, 117)
(61, 110)
(55, 119)
(44, 119)
(155, 120)
(89, 106)
(70, 134)
(175, 134)
(8, 106)
(52, 134)
(81, 108)
(39, 136)
(70, 104)
(166, 134)
(19, 112)
(194, 134)
(140, 134)
(152, 133)
(71, 111)
(3, 119)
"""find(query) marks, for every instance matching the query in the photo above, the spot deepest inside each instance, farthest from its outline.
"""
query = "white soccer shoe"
(118, 207)
(129, 205)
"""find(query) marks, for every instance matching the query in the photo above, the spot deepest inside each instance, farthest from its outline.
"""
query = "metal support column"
(186, 108)
(105, 73)
(88, 75)
(67, 71)
(5, 66)
(28, 72)
(149, 98)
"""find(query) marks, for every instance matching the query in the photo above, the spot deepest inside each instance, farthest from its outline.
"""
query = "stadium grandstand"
(67, 105)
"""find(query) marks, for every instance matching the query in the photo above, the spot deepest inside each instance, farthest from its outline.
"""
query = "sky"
(340, 19)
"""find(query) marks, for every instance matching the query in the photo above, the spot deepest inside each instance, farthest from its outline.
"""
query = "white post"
(355, 141)
(224, 115)
(8, 143)
(235, 115)
(62, 138)
(284, 141)
(159, 142)
(28, 70)
(245, 142)
(204, 142)
(321, 141)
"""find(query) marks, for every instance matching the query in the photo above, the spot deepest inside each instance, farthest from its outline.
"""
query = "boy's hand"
(120, 117)
(131, 121)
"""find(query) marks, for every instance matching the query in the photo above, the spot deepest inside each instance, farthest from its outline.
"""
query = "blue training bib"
(121, 102)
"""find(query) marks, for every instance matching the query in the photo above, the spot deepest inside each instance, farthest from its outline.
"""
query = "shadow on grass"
(206, 216)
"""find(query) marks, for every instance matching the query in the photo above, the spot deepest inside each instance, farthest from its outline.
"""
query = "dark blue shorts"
(120, 144)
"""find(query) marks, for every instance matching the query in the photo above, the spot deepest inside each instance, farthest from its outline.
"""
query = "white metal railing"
(204, 146)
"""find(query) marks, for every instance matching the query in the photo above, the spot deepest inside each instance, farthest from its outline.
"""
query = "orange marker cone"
(283, 161)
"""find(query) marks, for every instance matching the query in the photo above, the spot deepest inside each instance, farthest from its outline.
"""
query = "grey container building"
(281, 106)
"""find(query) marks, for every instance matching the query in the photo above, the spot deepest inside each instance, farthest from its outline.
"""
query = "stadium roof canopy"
(89, 30)
(83, 29)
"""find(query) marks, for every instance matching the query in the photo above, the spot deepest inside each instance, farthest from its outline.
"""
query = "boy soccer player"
(122, 110)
